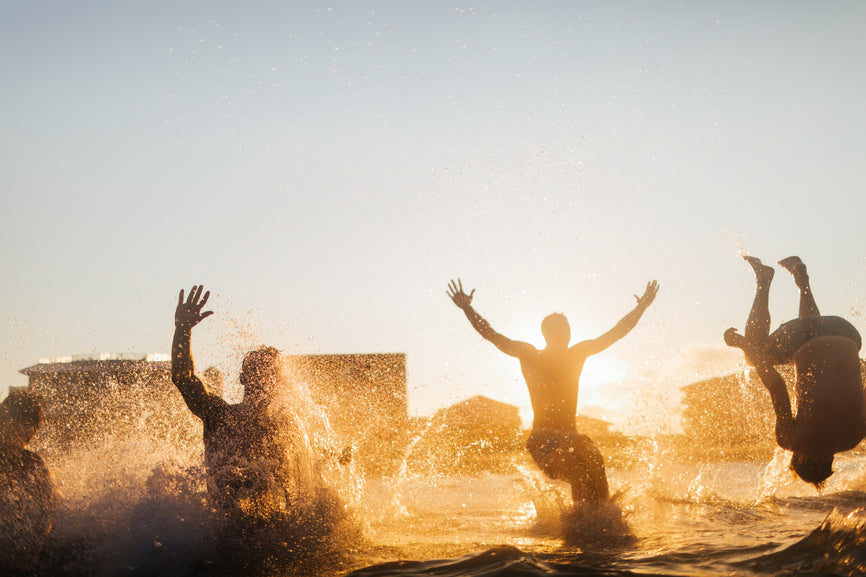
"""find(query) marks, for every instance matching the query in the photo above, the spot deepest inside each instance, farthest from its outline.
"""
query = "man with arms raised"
(552, 376)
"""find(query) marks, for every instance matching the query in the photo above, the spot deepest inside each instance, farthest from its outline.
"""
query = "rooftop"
(100, 362)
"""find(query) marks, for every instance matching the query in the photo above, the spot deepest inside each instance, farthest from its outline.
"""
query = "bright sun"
(600, 372)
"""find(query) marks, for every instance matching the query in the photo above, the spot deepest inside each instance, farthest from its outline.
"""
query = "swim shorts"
(570, 456)
(790, 336)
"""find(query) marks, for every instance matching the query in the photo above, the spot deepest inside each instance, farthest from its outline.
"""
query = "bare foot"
(795, 266)
(763, 273)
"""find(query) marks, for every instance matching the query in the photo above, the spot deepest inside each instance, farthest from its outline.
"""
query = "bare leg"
(589, 482)
(758, 323)
(808, 307)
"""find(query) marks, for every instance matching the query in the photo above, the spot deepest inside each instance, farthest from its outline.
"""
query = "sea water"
(713, 519)
(701, 519)
(134, 506)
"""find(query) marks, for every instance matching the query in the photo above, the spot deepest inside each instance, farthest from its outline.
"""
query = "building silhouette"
(89, 398)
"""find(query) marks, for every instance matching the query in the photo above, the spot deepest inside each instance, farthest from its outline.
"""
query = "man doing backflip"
(552, 376)
(829, 390)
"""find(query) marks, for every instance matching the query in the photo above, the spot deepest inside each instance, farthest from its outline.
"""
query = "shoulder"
(522, 349)
(584, 348)
(215, 407)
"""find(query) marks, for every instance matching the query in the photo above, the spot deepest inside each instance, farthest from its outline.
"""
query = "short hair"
(255, 361)
(555, 324)
(814, 470)
(24, 407)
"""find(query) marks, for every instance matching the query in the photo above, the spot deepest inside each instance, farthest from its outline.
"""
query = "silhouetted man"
(552, 376)
(257, 459)
(829, 390)
(27, 497)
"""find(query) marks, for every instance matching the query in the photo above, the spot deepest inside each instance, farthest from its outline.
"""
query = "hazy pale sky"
(325, 169)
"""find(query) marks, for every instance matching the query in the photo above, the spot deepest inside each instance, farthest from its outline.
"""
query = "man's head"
(556, 330)
(20, 415)
(814, 470)
(261, 372)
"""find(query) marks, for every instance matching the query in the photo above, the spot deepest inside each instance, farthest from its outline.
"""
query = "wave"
(836, 547)
(502, 561)
(170, 530)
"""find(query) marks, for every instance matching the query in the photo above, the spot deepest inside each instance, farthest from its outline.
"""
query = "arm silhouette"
(773, 382)
(624, 326)
(187, 315)
(775, 385)
(503, 343)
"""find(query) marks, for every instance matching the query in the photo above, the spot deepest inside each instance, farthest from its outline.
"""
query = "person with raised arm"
(829, 390)
(552, 376)
(253, 455)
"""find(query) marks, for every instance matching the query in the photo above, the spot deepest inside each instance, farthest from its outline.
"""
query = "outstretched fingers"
(189, 311)
(455, 288)
(649, 295)
(195, 294)
(195, 297)
(456, 293)
(203, 300)
(652, 287)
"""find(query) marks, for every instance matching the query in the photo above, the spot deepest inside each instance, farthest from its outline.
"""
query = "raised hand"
(188, 313)
(460, 298)
(649, 295)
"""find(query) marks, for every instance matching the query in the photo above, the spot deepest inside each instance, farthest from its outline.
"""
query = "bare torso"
(250, 453)
(552, 377)
(830, 397)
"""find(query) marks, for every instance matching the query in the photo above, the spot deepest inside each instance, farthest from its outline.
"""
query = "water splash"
(138, 503)
(836, 547)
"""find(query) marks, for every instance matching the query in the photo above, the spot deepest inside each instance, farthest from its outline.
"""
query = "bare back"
(552, 374)
(552, 377)
(830, 401)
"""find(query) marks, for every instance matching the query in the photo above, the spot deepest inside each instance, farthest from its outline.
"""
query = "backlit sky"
(325, 169)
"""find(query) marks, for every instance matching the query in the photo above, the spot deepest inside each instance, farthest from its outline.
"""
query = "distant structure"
(365, 398)
(480, 416)
(481, 434)
(619, 450)
(593, 427)
(730, 417)
(87, 398)
(474, 435)
(359, 391)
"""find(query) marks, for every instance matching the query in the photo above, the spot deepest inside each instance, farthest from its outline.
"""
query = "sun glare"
(600, 391)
